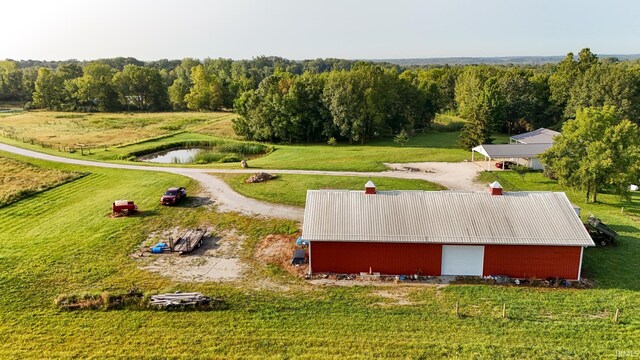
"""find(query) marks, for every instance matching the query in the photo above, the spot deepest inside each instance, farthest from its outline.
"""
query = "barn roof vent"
(369, 187)
(495, 188)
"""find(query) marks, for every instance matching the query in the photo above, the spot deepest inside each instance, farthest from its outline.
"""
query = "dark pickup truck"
(173, 196)
(601, 234)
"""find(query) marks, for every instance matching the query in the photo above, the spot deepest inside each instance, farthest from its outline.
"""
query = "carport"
(520, 153)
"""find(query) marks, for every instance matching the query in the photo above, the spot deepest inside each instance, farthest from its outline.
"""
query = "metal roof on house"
(507, 151)
(538, 136)
(443, 217)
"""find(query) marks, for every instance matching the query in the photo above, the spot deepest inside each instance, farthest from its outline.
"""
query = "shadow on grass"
(193, 202)
(145, 213)
(615, 266)
(625, 228)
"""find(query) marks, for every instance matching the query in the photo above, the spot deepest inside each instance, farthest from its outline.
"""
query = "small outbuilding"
(523, 154)
(470, 233)
(538, 136)
(523, 149)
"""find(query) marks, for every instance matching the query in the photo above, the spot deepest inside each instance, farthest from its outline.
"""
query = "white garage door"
(462, 260)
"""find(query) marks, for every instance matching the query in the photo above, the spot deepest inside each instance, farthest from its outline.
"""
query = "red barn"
(518, 234)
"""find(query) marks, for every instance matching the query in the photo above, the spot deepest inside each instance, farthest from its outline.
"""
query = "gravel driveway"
(454, 176)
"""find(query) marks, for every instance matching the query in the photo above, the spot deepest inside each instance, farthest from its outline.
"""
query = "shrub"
(207, 157)
(230, 158)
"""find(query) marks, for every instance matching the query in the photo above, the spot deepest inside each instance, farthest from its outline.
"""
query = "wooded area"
(281, 100)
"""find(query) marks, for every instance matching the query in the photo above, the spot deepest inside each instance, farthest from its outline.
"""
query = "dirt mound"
(260, 177)
(278, 250)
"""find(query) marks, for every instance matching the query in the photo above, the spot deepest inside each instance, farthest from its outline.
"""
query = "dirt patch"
(278, 250)
(397, 297)
(218, 259)
(259, 177)
(454, 176)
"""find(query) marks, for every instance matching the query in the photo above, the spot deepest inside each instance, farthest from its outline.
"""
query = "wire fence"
(81, 148)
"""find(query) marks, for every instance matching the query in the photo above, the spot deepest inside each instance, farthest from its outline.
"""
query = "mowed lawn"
(62, 241)
(431, 146)
(291, 189)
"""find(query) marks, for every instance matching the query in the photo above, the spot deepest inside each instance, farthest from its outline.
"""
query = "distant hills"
(497, 60)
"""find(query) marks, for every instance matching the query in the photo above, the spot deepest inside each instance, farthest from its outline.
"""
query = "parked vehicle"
(173, 196)
(507, 164)
(601, 234)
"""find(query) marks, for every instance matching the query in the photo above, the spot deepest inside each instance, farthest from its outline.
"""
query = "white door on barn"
(462, 260)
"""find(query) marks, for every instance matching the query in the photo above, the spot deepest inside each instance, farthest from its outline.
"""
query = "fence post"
(615, 317)
(504, 310)
(457, 309)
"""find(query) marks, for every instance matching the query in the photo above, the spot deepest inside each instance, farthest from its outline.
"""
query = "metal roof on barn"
(508, 151)
(443, 217)
(538, 136)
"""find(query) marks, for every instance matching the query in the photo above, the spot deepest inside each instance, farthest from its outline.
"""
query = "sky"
(351, 29)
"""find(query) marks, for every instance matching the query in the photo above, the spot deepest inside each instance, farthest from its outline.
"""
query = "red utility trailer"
(123, 207)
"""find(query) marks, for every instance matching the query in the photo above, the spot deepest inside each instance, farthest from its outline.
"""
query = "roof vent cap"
(495, 188)
(369, 188)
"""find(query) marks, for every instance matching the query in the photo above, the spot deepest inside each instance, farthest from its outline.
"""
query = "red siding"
(532, 261)
(385, 258)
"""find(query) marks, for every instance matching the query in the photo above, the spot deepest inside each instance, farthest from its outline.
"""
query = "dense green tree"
(345, 95)
(481, 103)
(10, 81)
(469, 89)
(119, 63)
(141, 87)
(182, 83)
(596, 150)
(49, 90)
(607, 84)
(526, 100)
(477, 129)
(94, 90)
(311, 119)
(564, 79)
(205, 92)
(421, 97)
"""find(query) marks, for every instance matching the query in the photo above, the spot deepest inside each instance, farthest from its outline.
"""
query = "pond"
(174, 156)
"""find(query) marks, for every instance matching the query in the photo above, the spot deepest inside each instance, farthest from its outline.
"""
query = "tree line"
(120, 84)
(280, 100)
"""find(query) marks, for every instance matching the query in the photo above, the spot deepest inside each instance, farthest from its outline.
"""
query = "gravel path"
(454, 176)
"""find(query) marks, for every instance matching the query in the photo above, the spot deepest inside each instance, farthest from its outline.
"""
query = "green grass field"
(120, 134)
(62, 241)
(292, 189)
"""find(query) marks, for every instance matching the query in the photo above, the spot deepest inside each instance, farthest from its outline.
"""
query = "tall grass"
(213, 150)
(19, 180)
(447, 123)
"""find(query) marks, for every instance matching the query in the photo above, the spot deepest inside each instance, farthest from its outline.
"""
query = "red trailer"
(123, 207)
